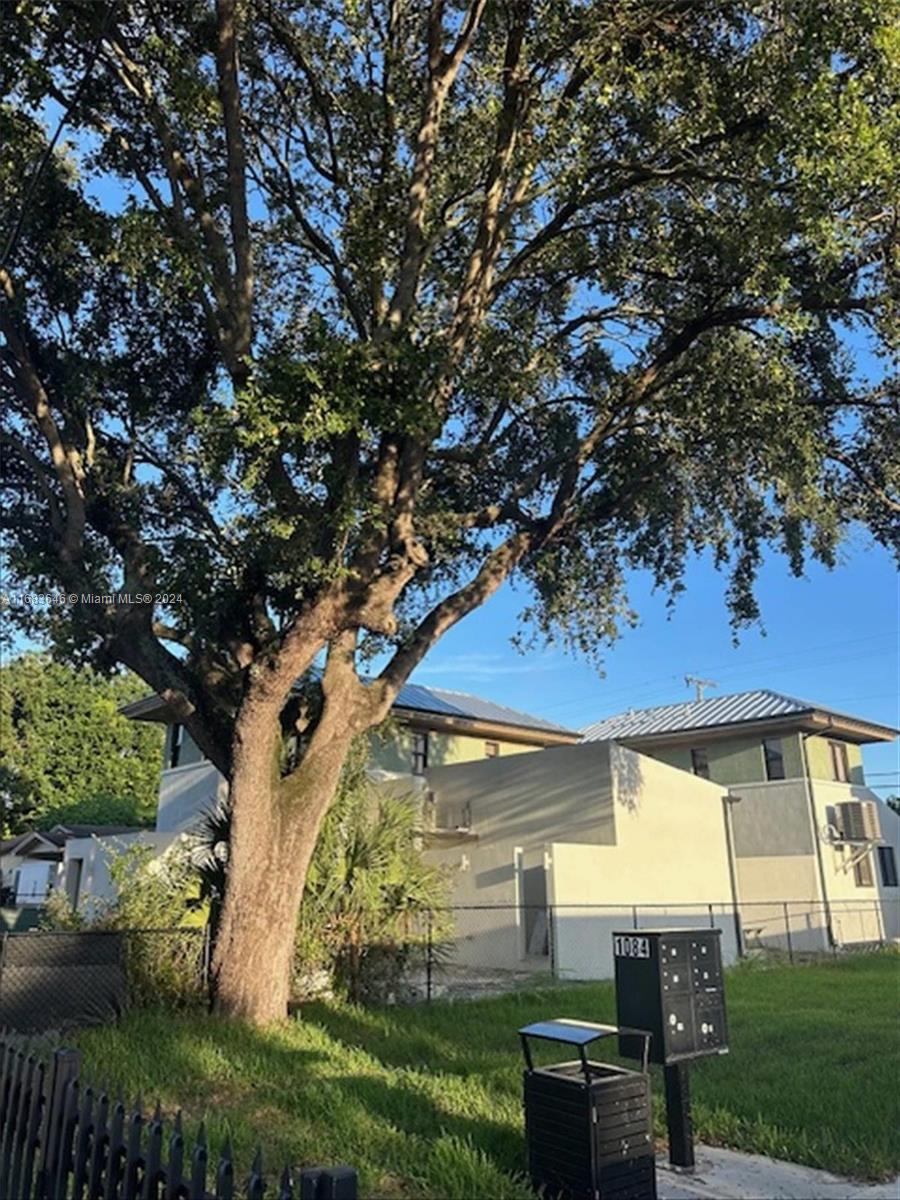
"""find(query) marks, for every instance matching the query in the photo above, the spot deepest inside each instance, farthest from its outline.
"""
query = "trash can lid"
(576, 1033)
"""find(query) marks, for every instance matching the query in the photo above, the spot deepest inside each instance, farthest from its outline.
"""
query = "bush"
(365, 917)
(164, 958)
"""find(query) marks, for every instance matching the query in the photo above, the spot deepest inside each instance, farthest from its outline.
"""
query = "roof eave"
(154, 708)
(810, 721)
(148, 708)
(529, 734)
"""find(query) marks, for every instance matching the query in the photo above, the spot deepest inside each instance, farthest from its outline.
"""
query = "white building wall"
(186, 793)
(601, 826)
(668, 867)
(94, 885)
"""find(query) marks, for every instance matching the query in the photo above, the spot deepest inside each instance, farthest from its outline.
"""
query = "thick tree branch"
(442, 71)
(65, 458)
(230, 97)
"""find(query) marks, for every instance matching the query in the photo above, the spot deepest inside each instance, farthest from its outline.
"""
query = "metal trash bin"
(588, 1125)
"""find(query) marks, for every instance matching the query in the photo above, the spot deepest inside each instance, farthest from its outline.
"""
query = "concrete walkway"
(728, 1175)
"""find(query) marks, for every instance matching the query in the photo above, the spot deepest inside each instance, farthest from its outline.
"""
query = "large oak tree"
(330, 317)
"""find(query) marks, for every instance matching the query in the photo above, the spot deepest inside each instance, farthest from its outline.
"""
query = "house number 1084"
(631, 947)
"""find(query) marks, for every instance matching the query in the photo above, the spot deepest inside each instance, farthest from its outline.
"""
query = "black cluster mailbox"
(669, 982)
(588, 1125)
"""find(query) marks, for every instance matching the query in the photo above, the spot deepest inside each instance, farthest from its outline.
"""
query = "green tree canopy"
(321, 321)
(67, 754)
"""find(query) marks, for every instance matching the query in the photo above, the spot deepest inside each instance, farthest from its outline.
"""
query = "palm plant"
(371, 900)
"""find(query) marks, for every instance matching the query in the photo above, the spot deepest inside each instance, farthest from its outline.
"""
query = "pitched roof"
(60, 834)
(412, 698)
(415, 697)
(738, 708)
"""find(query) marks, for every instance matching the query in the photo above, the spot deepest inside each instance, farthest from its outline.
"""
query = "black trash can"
(588, 1125)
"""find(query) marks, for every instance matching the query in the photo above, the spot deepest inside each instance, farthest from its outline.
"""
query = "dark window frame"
(176, 745)
(840, 762)
(887, 866)
(863, 875)
(773, 759)
(419, 751)
(491, 749)
(700, 762)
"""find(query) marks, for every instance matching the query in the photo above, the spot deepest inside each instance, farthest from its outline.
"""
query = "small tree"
(67, 754)
(328, 319)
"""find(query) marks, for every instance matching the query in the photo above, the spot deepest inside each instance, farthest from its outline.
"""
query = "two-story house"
(429, 727)
(805, 829)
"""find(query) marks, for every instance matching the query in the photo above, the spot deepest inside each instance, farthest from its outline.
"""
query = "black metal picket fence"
(61, 1139)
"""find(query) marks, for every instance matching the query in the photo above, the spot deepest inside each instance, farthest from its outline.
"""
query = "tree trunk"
(275, 826)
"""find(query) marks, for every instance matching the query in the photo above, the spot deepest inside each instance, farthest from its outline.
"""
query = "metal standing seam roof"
(759, 705)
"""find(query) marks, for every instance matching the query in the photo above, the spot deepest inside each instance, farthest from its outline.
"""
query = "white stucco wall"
(94, 854)
(589, 825)
(668, 867)
(186, 793)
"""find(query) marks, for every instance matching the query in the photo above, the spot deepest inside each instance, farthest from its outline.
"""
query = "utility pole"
(699, 684)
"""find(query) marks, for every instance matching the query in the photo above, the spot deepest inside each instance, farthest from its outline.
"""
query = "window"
(887, 866)
(700, 763)
(774, 757)
(491, 749)
(862, 871)
(176, 741)
(419, 753)
(840, 769)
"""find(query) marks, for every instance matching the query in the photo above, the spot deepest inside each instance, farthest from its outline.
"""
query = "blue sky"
(832, 637)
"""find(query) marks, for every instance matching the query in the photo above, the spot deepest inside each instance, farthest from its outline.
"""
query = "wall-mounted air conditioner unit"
(857, 821)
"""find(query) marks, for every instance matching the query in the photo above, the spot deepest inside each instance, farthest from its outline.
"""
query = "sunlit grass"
(426, 1101)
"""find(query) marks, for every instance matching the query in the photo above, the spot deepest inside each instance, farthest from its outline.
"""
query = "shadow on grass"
(415, 1114)
(457, 1037)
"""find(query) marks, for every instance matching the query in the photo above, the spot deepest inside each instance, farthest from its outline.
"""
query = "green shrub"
(150, 905)
(370, 895)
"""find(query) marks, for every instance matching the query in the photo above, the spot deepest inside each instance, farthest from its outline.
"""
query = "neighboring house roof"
(59, 835)
(416, 698)
(413, 698)
(741, 708)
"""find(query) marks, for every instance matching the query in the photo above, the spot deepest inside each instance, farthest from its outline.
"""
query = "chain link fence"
(53, 979)
(482, 950)
(58, 978)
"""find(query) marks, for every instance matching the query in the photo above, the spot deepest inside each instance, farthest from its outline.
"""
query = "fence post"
(738, 934)
(63, 1070)
(206, 962)
(787, 926)
(551, 941)
(429, 947)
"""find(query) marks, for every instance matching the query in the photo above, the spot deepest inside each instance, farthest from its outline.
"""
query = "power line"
(661, 684)
(656, 683)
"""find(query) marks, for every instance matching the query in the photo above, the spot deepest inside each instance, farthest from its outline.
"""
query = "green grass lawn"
(426, 1101)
